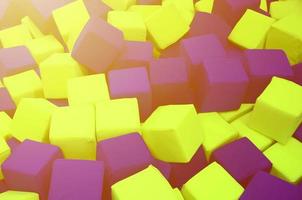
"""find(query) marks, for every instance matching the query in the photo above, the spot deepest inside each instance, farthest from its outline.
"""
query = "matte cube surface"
(7, 103)
(232, 115)
(14, 36)
(5, 125)
(119, 4)
(298, 133)
(17, 195)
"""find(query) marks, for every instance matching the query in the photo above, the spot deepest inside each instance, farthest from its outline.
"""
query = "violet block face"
(242, 159)
(7, 103)
(298, 73)
(76, 180)
(298, 133)
(28, 168)
(163, 167)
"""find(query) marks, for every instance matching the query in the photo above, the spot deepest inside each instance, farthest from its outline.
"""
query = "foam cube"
(5, 151)
(148, 2)
(230, 116)
(297, 135)
(117, 117)
(182, 172)
(55, 72)
(119, 4)
(13, 143)
(251, 30)
(5, 125)
(69, 24)
(265, 186)
(211, 178)
(97, 8)
(281, 113)
(87, 89)
(170, 81)
(129, 83)
(261, 66)
(31, 26)
(25, 84)
(166, 26)
(145, 11)
(14, 36)
(281, 9)
(43, 47)
(10, 66)
(130, 23)
(216, 131)
(7, 103)
(262, 142)
(34, 175)
(32, 119)
(74, 127)
(204, 6)
(264, 5)
(185, 8)
(17, 195)
(134, 187)
(76, 179)
(177, 125)
(286, 160)
(286, 34)
(298, 73)
(98, 45)
(163, 167)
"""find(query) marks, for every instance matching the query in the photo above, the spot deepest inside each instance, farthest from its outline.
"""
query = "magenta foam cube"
(298, 133)
(148, 2)
(298, 73)
(98, 45)
(13, 143)
(3, 187)
(170, 82)
(135, 54)
(163, 167)
(132, 82)
(7, 104)
(242, 159)
(28, 168)
(261, 67)
(76, 180)
(182, 172)
(264, 186)
(97, 8)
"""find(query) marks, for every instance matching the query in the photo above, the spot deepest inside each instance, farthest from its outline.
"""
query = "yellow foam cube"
(178, 194)
(173, 133)
(87, 89)
(43, 47)
(145, 11)
(212, 183)
(117, 117)
(286, 160)
(16, 195)
(70, 20)
(130, 23)
(5, 125)
(278, 110)
(286, 34)
(55, 72)
(119, 4)
(1, 84)
(204, 6)
(148, 184)
(185, 7)
(251, 30)
(216, 131)
(230, 116)
(166, 26)
(73, 130)
(260, 141)
(32, 27)
(15, 36)
(25, 84)
(32, 119)
(4, 153)
(280, 9)
(263, 5)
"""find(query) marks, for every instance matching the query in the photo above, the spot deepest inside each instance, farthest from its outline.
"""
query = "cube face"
(231, 116)
(32, 27)
(72, 127)
(5, 125)
(185, 8)
(117, 117)
(86, 178)
(7, 104)
(298, 133)
(15, 36)
(282, 114)
(19, 195)
(211, 178)
(144, 10)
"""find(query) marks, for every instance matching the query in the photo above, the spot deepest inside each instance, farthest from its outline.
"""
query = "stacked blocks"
(172, 133)
(117, 117)
(129, 83)
(98, 45)
(76, 179)
(20, 174)
(17, 195)
(242, 160)
(282, 113)
(74, 127)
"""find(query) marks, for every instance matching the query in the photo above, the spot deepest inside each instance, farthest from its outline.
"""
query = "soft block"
(87, 89)
(32, 27)
(76, 179)
(204, 6)
(281, 113)
(119, 4)
(17, 195)
(298, 73)
(7, 103)
(117, 117)
(173, 133)
(185, 8)
(25, 84)
(5, 151)
(145, 11)
(98, 45)
(5, 125)
(97, 8)
(281, 9)
(251, 30)
(297, 135)
(20, 174)
(15, 36)
(230, 116)
(209, 179)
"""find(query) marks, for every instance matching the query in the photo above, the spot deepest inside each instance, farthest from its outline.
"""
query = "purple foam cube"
(13, 143)
(76, 180)
(28, 168)
(298, 73)
(182, 172)
(261, 67)
(163, 167)
(170, 82)
(264, 186)
(97, 8)
(132, 82)
(220, 85)
(242, 159)
(148, 2)
(7, 104)
(298, 133)
(3, 187)
(98, 45)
